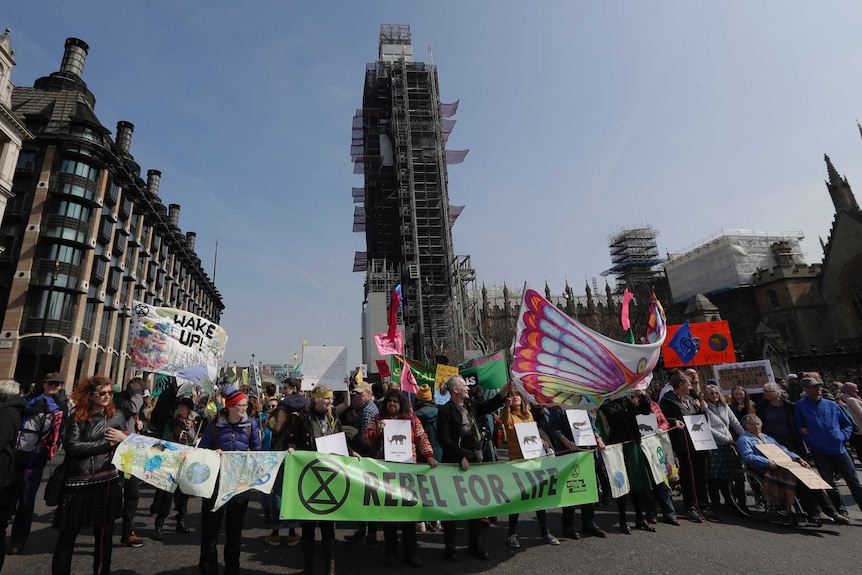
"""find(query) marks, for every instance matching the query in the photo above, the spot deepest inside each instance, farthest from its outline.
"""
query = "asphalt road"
(733, 546)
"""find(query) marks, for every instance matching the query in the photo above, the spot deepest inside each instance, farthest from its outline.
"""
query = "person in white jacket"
(725, 429)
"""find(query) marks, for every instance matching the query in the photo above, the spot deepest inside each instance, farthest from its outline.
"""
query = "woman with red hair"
(92, 494)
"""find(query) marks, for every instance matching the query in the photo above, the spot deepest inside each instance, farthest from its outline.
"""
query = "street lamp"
(45, 319)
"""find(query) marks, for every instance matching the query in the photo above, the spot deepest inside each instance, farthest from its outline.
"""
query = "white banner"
(242, 471)
(615, 463)
(324, 364)
(199, 473)
(151, 460)
(168, 340)
(654, 454)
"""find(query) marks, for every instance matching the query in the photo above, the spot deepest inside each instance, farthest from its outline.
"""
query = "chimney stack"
(190, 240)
(174, 215)
(124, 135)
(74, 56)
(153, 179)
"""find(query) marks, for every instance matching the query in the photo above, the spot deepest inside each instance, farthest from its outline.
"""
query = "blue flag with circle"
(683, 344)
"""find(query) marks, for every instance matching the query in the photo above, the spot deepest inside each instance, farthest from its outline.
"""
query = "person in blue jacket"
(231, 430)
(825, 427)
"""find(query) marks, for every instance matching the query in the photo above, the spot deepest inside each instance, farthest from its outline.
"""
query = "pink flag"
(408, 380)
(385, 346)
(627, 297)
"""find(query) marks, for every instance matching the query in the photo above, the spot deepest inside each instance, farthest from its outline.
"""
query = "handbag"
(54, 486)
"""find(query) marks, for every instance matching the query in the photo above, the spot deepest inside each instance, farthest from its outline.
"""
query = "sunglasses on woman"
(104, 393)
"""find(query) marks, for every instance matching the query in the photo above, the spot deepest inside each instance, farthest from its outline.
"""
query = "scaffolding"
(727, 259)
(634, 255)
(398, 144)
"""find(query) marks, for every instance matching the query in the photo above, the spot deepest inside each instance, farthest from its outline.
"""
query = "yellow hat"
(424, 393)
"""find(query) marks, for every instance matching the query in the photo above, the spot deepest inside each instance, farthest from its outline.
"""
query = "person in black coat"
(461, 440)
(693, 465)
(11, 410)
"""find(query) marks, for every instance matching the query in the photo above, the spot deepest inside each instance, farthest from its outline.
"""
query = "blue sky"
(581, 118)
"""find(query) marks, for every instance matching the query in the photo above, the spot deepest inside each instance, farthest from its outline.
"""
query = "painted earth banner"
(333, 488)
(151, 460)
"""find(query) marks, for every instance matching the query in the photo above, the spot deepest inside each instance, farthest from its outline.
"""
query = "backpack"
(39, 437)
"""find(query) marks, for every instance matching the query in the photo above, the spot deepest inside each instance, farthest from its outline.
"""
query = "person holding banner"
(318, 420)
(780, 487)
(231, 430)
(692, 464)
(617, 418)
(554, 422)
(183, 429)
(92, 494)
(514, 412)
(396, 406)
(461, 441)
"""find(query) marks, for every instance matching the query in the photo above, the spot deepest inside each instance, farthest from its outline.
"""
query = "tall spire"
(834, 178)
(839, 189)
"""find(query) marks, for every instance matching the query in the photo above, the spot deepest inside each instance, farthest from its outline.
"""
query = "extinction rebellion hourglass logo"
(323, 486)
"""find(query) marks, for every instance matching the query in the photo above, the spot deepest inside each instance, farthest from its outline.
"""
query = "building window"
(26, 160)
(74, 210)
(65, 254)
(79, 169)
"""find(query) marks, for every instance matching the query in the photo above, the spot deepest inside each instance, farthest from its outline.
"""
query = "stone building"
(85, 236)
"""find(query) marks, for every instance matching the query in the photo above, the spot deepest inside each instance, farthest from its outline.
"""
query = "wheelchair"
(746, 494)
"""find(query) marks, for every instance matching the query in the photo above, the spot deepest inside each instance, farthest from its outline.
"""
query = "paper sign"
(324, 364)
(809, 477)
(700, 432)
(647, 424)
(335, 444)
(444, 372)
(243, 471)
(530, 440)
(752, 375)
(582, 429)
(397, 442)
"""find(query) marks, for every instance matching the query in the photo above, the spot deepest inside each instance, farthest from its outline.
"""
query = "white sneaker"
(513, 542)
(550, 539)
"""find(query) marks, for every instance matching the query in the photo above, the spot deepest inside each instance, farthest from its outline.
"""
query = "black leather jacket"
(87, 450)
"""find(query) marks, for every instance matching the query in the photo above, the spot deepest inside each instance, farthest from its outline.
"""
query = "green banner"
(491, 372)
(423, 372)
(336, 488)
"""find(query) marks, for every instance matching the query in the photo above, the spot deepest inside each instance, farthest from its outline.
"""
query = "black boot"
(181, 526)
(157, 532)
(307, 555)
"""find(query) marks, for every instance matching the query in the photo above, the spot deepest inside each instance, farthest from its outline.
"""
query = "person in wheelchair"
(780, 487)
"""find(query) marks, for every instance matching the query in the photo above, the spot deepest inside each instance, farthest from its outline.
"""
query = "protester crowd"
(807, 420)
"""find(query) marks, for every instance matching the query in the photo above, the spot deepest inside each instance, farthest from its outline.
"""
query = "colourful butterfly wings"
(558, 360)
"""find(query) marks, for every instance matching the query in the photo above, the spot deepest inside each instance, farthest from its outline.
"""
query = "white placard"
(647, 424)
(615, 464)
(397, 443)
(752, 375)
(530, 440)
(335, 444)
(582, 429)
(700, 432)
(324, 364)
